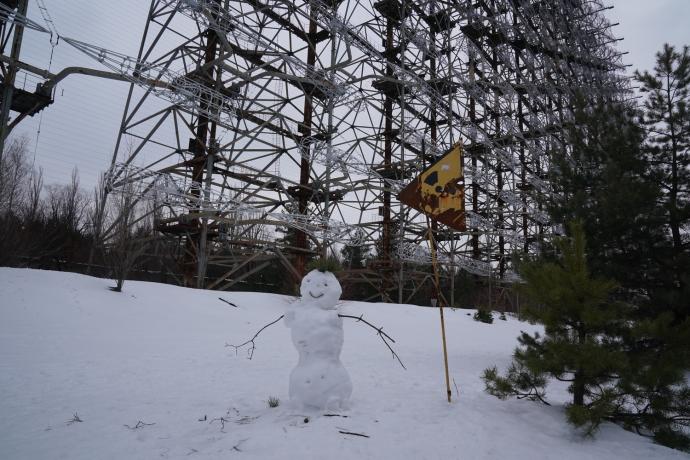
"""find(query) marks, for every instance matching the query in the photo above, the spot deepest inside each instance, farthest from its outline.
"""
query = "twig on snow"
(379, 332)
(237, 446)
(227, 302)
(75, 419)
(223, 421)
(353, 434)
(245, 420)
(250, 352)
(139, 424)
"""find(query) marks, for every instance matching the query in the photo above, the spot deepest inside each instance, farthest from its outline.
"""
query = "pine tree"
(628, 185)
(602, 183)
(667, 119)
(666, 116)
(658, 345)
(605, 182)
(354, 255)
(577, 346)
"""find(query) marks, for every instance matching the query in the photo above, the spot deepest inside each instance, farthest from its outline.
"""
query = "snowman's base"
(313, 411)
(320, 386)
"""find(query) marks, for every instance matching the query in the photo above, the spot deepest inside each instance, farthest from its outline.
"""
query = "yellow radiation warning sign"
(439, 191)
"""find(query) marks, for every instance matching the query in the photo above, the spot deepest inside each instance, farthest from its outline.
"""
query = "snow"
(319, 382)
(156, 354)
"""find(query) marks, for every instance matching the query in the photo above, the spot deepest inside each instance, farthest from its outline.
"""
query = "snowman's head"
(321, 289)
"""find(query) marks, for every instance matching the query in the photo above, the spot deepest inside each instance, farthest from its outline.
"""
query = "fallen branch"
(380, 333)
(139, 424)
(75, 419)
(222, 420)
(353, 434)
(253, 347)
(236, 447)
(227, 302)
(245, 420)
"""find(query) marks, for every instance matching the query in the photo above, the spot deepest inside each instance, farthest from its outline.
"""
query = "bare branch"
(222, 420)
(139, 424)
(379, 332)
(353, 434)
(227, 302)
(253, 347)
(236, 447)
(75, 419)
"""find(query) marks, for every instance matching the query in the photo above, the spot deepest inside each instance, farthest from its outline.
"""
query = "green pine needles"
(326, 264)
(624, 348)
(579, 318)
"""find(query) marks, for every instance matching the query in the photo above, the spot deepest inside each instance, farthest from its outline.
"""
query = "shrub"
(484, 316)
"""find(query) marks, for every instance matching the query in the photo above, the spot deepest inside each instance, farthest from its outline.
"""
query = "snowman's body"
(319, 381)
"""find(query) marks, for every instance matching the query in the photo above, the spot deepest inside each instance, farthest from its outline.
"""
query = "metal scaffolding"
(309, 116)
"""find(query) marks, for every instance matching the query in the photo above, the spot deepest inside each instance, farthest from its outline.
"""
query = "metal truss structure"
(24, 103)
(260, 115)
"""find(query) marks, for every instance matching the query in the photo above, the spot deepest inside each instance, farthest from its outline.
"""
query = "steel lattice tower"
(249, 116)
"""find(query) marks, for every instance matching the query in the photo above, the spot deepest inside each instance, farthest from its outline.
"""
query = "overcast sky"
(645, 25)
(80, 128)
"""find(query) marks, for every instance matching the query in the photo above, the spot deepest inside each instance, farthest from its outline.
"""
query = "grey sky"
(646, 25)
(80, 128)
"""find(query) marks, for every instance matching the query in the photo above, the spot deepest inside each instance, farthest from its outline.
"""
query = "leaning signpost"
(439, 193)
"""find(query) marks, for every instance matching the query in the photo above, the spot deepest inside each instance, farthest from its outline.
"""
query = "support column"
(205, 130)
(8, 84)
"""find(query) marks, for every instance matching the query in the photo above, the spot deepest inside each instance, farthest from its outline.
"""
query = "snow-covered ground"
(156, 354)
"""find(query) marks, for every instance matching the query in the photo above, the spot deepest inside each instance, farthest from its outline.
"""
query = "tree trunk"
(579, 382)
(673, 195)
(578, 390)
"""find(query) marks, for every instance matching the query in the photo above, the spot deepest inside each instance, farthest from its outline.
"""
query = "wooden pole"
(437, 283)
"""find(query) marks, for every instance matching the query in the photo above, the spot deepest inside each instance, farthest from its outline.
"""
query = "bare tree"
(129, 233)
(67, 204)
(33, 209)
(65, 208)
(13, 173)
(97, 216)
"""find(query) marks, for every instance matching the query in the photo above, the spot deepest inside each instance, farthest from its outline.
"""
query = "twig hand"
(379, 332)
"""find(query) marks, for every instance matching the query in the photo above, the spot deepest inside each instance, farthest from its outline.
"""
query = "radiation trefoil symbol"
(439, 191)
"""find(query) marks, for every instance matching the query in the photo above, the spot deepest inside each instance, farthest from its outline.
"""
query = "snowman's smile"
(316, 296)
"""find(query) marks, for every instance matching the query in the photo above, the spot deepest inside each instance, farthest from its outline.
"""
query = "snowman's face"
(321, 289)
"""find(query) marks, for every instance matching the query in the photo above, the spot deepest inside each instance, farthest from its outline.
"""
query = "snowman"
(319, 381)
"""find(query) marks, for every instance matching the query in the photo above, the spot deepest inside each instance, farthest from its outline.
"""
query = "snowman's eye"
(325, 284)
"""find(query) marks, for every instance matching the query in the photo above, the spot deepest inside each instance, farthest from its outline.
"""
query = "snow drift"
(147, 373)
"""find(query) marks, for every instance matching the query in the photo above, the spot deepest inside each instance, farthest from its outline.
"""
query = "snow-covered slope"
(155, 354)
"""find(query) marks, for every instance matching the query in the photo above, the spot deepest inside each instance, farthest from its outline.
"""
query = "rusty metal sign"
(439, 191)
